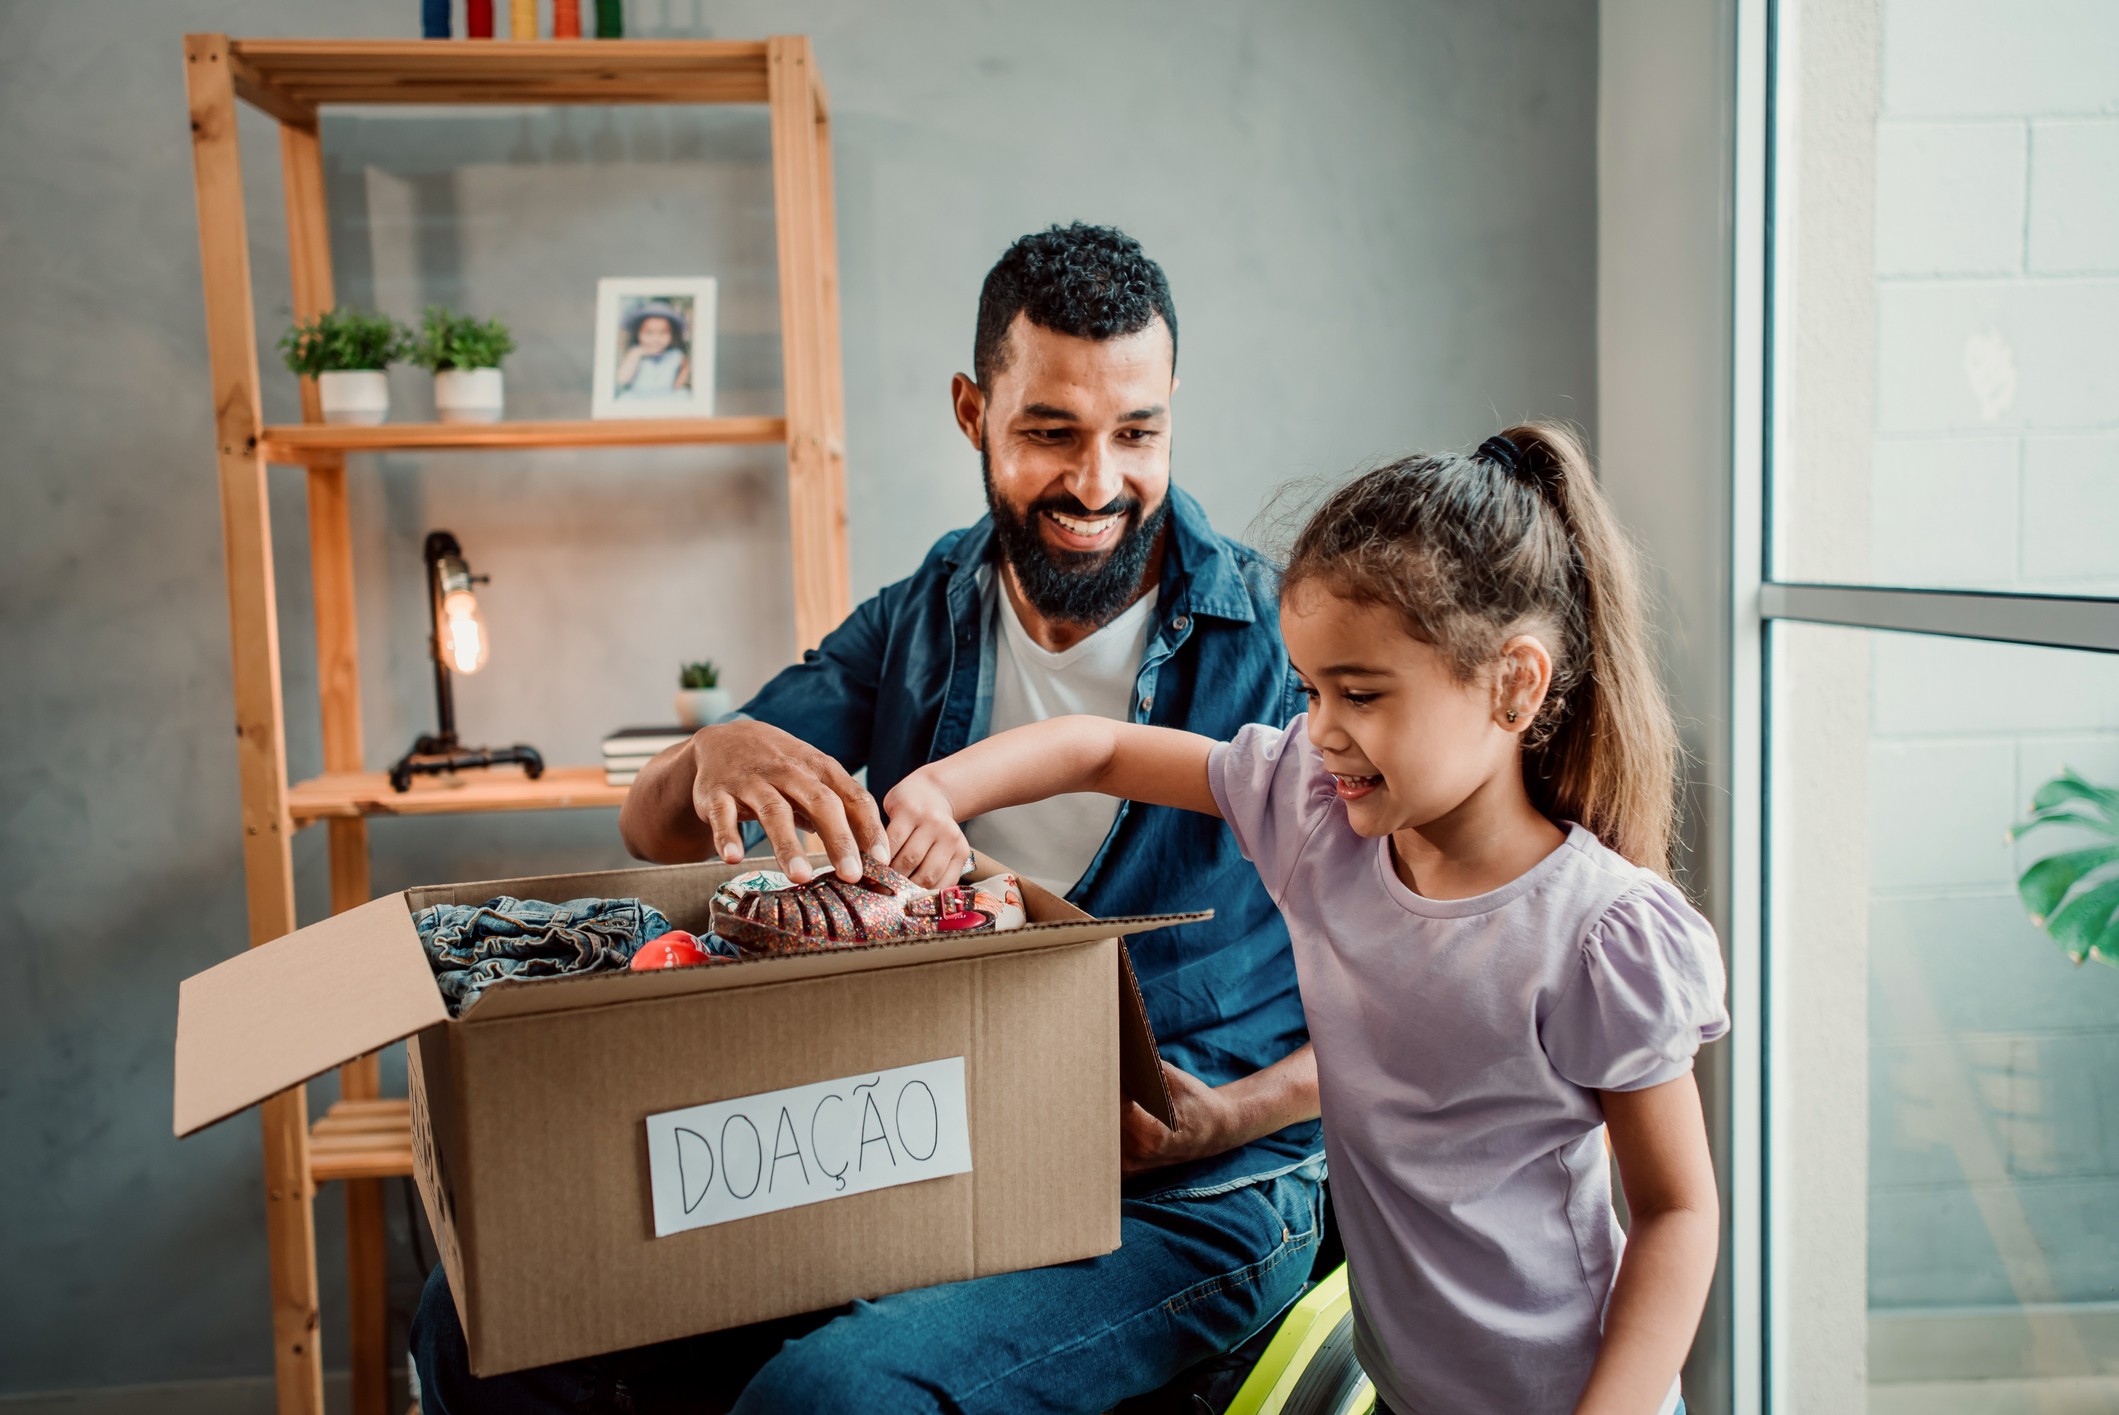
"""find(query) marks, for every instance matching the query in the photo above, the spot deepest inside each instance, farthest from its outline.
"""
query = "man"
(1093, 585)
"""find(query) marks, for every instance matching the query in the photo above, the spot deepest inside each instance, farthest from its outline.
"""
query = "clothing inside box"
(753, 913)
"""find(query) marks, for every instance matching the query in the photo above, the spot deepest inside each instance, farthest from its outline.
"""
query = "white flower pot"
(467, 395)
(354, 395)
(698, 707)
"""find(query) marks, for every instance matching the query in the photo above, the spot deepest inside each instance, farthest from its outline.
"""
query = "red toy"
(675, 949)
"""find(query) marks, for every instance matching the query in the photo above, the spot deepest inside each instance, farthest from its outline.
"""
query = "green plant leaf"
(2048, 882)
(2069, 786)
(2075, 813)
(344, 340)
(2085, 925)
(452, 341)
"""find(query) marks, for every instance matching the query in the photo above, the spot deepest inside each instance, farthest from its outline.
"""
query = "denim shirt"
(908, 679)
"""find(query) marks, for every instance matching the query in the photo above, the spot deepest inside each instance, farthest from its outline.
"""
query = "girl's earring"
(1511, 714)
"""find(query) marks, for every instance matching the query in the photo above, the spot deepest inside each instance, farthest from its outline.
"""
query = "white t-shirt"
(1052, 841)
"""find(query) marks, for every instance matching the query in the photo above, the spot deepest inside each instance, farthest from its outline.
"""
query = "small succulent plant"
(451, 341)
(345, 341)
(699, 675)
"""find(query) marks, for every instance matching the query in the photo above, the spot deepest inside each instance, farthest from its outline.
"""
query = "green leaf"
(2073, 813)
(450, 341)
(2069, 786)
(344, 339)
(2085, 924)
(2048, 882)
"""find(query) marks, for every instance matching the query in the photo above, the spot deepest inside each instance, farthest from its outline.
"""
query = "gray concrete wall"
(1665, 98)
(1379, 219)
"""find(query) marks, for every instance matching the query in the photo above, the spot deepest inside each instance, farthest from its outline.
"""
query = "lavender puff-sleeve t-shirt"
(1460, 1046)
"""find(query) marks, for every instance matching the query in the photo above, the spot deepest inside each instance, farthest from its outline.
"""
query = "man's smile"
(1084, 532)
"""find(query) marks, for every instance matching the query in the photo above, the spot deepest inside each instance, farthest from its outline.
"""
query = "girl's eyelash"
(1350, 699)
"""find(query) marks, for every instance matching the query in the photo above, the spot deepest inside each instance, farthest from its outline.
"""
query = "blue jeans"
(1195, 1274)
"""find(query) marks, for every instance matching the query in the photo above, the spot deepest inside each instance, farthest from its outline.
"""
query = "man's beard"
(1091, 587)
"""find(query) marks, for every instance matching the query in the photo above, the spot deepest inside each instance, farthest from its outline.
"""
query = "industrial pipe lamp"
(458, 645)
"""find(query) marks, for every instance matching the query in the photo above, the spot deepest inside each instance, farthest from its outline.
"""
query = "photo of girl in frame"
(657, 360)
(654, 347)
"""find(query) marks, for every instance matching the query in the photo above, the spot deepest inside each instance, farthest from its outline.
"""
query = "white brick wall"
(2071, 513)
(1950, 198)
(2074, 220)
(2000, 58)
(1946, 511)
(1996, 464)
(1977, 355)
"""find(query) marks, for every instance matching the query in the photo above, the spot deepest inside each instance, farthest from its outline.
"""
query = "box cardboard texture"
(529, 1112)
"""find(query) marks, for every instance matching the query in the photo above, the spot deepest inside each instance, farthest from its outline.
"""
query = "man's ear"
(968, 401)
(1521, 681)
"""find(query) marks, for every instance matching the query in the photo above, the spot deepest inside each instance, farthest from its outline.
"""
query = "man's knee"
(836, 1368)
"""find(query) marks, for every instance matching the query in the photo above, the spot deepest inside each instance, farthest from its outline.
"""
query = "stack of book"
(628, 749)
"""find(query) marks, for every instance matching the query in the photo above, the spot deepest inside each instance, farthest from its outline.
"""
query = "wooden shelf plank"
(305, 72)
(362, 1140)
(344, 795)
(301, 442)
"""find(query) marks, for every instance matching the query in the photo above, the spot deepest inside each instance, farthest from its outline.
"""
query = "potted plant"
(464, 356)
(700, 697)
(2074, 895)
(346, 351)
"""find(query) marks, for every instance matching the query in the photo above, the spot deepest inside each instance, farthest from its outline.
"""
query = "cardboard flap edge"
(278, 1014)
(1140, 1060)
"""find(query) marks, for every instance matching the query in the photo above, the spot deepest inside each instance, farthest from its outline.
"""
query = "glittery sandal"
(763, 915)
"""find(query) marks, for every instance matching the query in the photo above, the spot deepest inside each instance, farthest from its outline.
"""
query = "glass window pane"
(1946, 1133)
(1946, 322)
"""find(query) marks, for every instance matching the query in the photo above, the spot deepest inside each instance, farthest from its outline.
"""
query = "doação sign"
(731, 1159)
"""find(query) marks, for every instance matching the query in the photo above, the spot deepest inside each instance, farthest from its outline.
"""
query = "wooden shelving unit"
(350, 795)
(303, 443)
(365, 1138)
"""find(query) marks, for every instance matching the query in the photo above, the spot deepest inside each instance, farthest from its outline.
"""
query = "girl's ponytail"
(1609, 758)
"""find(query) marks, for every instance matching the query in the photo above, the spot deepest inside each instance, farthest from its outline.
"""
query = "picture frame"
(654, 347)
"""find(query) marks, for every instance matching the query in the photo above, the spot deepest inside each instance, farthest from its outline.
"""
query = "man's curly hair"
(1093, 282)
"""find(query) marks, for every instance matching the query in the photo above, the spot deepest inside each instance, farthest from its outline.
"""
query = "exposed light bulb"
(463, 632)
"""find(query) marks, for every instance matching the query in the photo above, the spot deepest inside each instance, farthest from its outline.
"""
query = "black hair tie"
(1502, 453)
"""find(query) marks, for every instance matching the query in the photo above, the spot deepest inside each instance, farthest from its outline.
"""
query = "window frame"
(1759, 601)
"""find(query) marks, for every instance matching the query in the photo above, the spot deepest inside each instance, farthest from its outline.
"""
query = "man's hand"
(693, 798)
(925, 840)
(1215, 1119)
(1206, 1125)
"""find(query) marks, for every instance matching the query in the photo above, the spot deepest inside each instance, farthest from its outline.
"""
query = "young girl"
(659, 362)
(1468, 833)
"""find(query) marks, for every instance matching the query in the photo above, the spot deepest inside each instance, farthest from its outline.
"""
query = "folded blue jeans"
(472, 946)
(1196, 1273)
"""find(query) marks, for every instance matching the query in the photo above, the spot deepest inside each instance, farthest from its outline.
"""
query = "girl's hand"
(924, 839)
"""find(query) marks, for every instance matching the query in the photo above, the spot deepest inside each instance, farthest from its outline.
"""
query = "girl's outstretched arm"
(1159, 766)
(1660, 1140)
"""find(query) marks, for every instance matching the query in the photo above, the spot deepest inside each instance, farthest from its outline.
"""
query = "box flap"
(521, 998)
(1140, 1060)
(278, 1014)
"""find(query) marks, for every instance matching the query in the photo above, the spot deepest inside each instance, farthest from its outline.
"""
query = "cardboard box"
(540, 1166)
